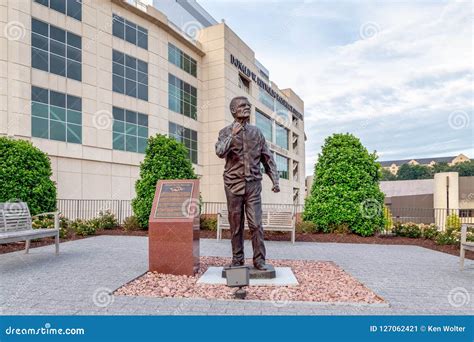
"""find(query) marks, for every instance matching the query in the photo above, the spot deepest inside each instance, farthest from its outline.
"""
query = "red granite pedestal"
(173, 232)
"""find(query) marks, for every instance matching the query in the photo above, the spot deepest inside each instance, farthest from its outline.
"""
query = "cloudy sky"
(399, 75)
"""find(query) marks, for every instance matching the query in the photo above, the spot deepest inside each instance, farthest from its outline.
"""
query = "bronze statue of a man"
(243, 146)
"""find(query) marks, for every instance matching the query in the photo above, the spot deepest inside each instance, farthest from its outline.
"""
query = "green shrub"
(208, 223)
(411, 230)
(453, 222)
(388, 219)
(339, 228)
(105, 220)
(447, 238)
(430, 232)
(165, 158)
(306, 227)
(25, 174)
(82, 227)
(346, 189)
(47, 221)
(131, 223)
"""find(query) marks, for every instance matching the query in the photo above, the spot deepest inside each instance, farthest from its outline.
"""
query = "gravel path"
(413, 280)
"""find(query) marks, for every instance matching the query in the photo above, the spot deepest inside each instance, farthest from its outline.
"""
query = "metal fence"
(88, 209)
(438, 216)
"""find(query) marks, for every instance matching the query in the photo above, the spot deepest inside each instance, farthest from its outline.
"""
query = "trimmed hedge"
(25, 174)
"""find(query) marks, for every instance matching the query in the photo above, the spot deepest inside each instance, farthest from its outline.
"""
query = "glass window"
(266, 99)
(72, 8)
(264, 123)
(130, 130)
(129, 31)
(55, 50)
(55, 115)
(129, 75)
(182, 60)
(282, 166)
(281, 136)
(182, 97)
(186, 136)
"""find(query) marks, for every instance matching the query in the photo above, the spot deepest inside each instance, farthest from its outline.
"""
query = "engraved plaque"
(173, 200)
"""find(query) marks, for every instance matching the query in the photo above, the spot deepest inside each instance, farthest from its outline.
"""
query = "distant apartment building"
(89, 81)
(394, 165)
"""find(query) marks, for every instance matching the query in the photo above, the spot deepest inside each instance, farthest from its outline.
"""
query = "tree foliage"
(408, 171)
(345, 189)
(165, 158)
(25, 174)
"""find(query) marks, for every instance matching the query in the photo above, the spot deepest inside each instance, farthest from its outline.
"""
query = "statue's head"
(240, 108)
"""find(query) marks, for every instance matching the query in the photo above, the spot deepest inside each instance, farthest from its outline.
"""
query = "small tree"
(165, 158)
(407, 171)
(346, 190)
(25, 174)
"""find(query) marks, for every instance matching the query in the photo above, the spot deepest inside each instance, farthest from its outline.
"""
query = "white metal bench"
(465, 245)
(283, 221)
(16, 225)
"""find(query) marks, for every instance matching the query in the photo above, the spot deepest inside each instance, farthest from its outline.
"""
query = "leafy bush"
(165, 158)
(339, 228)
(430, 232)
(208, 223)
(453, 222)
(82, 227)
(447, 238)
(306, 227)
(411, 230)
(388, 219)
(25, 174)
(105, 220)
(47, 221)
(346, 189)
(131, 223)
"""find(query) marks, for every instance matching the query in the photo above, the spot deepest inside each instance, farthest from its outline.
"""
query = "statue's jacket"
(243, 154)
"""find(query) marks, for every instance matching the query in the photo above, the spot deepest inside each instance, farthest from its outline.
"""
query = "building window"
(264, 123)
(130, 130)
(186, 136)
(182, 60)
(244, 84)
(282, 166)
(72, 8)
(281, 136)
(282, 111)
(130, 32)
(182, 97)
(266, 99)
(55, 50)
(129, 75)
(56, 116)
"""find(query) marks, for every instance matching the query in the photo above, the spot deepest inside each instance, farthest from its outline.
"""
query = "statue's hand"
(276, 188)
(236, 129)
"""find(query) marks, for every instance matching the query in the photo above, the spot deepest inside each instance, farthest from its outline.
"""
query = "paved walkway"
(412, 279)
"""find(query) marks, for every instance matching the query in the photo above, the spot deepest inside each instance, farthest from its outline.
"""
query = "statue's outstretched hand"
(276, 188)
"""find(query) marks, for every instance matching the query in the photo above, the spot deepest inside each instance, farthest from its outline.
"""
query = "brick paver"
(413, 280)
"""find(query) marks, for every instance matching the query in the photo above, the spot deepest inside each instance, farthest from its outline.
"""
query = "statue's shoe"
(237, 263)
(261, 267)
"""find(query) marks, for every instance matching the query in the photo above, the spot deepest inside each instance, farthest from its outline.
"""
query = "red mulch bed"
(272, 236)
(349, 238)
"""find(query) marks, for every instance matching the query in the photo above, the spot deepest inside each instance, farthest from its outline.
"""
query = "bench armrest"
(56, 217)
(464, 231)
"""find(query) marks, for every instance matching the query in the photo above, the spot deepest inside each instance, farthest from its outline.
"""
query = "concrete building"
(394, 165)
(89, 82)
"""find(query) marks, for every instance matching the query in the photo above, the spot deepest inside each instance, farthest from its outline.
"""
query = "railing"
(437, 216)
(88, 209)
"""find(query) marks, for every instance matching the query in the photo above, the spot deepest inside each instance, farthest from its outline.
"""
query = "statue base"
(255, 273)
